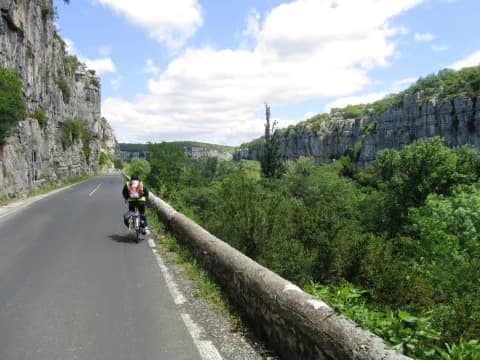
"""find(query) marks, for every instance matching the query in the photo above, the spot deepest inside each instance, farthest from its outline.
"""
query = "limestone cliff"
(202, 153)
(457, 120)
(58, 90)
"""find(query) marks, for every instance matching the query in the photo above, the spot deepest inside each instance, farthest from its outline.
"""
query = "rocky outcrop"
(199, 153)
(57, 88)
(457, 121)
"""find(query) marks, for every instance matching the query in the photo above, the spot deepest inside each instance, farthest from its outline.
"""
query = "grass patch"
(60, 184)
(47, 188)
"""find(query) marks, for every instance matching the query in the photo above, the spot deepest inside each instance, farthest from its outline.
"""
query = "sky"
(203, 70)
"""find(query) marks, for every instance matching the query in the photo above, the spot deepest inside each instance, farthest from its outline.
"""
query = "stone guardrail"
(295, 324)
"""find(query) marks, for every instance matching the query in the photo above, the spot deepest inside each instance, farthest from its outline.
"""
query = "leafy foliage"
(139, 167)
(47, 11)
(351, 111)
(74, 130)
(448, 83)
(395, 246)
(401, 330)
(70, 64)
(168, 161)
(12, 103)
(95, 81)
(65, 89)
(270, 160)
(41, 117)
(133, 147)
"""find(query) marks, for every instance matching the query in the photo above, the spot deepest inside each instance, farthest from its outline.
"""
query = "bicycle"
(135, 224)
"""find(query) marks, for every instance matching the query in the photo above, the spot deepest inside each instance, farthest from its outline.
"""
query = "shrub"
(41, 117)
(12, 103)
(63, 85)
(47, 10)
(352, 111)
(95, 82)
(74, 130)
(70, 64)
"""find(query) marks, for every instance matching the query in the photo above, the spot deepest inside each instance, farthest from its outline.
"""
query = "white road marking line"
(93, 192)
(151, 243)
(207, 350)
(178, 297)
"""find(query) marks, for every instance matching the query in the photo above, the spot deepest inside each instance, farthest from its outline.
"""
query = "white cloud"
(253, 25)
(304, 49)
(169, 22)
(150, 67)
(100, 65)
(471, 60)
(354, 100)
(424, 37)
(403, 83)
(439, 48)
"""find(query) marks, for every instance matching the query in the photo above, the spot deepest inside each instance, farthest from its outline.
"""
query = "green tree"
(12, 103)
(446, 242)
(139, 167)
(408, 176)
(271, 162)
(168, 162)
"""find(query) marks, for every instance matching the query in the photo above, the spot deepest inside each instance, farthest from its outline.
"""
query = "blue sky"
(202, 69)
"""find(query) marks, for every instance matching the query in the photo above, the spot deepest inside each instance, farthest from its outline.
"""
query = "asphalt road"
(73, 285)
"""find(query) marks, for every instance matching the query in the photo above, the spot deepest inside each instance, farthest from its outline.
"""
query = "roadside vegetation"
(46, 188)
(205, 287)
(395, 246)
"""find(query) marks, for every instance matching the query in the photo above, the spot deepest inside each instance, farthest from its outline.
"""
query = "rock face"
(457, 121)
(56, 86)
(198, 153)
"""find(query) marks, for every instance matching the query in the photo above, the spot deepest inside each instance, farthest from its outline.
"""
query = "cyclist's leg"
(143, 216)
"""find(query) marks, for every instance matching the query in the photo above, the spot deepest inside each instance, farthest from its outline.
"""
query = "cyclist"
(136, 194)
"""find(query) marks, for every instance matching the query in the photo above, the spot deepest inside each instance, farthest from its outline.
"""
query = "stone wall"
(295, 324)
(457, 121)
(33, 154)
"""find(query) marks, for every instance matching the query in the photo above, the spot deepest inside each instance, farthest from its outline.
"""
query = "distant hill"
(132, 147)
(193, 149)
(185, 144)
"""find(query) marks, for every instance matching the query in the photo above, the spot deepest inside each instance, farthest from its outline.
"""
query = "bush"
(103, 159)
(74, 130)
(12, 103)
(41, 117)
(63, 85)
(70, 64)
(95, 82)
(140, 167)
(47, 11)
(118, 163)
